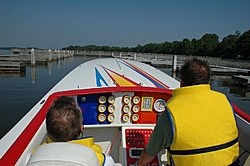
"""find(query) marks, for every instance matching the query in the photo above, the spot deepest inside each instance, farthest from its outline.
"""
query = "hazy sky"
(53, 24)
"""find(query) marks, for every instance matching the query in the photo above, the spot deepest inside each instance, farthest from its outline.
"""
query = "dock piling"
(58, 56)
(155, 57)
(174, 64)
(33, 60)
(50, 56)
(135, 56)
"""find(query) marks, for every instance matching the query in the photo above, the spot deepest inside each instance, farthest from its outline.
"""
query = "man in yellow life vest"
(64, 124)
(198, 126)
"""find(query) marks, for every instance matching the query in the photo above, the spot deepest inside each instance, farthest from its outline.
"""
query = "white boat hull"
(121, 83)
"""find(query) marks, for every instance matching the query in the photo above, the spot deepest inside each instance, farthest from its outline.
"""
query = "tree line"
(233, 46)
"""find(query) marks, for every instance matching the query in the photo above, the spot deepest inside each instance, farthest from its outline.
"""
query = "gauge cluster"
(122, 107)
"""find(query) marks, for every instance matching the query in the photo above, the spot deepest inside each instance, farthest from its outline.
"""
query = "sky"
(54, 24)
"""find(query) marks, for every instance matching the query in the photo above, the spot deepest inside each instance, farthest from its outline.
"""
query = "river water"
(19, 92)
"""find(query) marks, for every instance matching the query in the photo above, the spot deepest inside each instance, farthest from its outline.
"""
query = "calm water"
(19, 92)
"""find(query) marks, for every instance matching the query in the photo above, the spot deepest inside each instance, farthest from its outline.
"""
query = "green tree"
(228, 46)
(244, 45)
(151, 48)
(166, 48)
(176, 47)
(209, 43)
(186, 47)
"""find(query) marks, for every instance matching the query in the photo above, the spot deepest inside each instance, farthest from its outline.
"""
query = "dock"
(12, 66)
(41, 57)
(241, 80)
(228, 70)
(22, 57)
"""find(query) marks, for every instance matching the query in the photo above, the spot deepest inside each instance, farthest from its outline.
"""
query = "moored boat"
(121, 101)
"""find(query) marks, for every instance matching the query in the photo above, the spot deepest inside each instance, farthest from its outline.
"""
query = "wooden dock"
(12, 66)
(241, 80)
(41, 57)
(22, 57)
(222, 70)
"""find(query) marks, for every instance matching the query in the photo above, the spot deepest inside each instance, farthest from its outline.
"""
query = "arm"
(160, 138)
(144, 158)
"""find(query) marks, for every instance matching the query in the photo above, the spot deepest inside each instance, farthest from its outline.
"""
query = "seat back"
(63, 153)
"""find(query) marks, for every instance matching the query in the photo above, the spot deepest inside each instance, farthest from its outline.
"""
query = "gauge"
(102, 99)
(125, 117)
(101, 108)
(83, 99)
(159, 105)
(111, 99)
(135, 108)
(135, 117)
(111, 108)
(136, 99)
(126, 99)
(126, 108)
(101, 117)
(111, 117)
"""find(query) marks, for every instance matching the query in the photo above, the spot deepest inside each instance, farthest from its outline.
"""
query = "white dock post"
(112, 54)
(33, 60)
(135, 56)
(174, 63)
(50, 56)
(100, 54)
(120, 54)
(56, 52)
(58, 56)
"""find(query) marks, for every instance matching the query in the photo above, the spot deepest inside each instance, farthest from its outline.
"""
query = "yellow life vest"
(204, 127)
(89, 142)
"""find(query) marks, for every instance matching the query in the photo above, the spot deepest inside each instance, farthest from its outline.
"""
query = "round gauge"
(111, 117)
(102, 99)
(101, 108)
(83, 99)
(125, 117)
(135, 117)
(111, 99)
(136, 99)
(135, 108)
(111, 108)
(126, 99)
(159, 105)
(101, 117)
(126, 108)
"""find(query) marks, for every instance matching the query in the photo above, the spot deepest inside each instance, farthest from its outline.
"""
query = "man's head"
(195, 72)
(64, 120)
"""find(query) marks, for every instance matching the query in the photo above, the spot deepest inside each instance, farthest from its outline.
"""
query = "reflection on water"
(33, 74)
(242, 91)
(225, 83)
(13, 73)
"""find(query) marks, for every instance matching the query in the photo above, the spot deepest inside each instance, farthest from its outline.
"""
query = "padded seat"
(63, 153)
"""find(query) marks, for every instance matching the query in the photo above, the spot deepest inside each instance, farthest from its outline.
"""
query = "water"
(19, 92)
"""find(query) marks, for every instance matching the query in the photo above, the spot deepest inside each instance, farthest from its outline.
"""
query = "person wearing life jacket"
(198, 126)
(64, 124)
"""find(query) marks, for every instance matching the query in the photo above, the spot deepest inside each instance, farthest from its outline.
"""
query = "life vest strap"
(202, 150)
